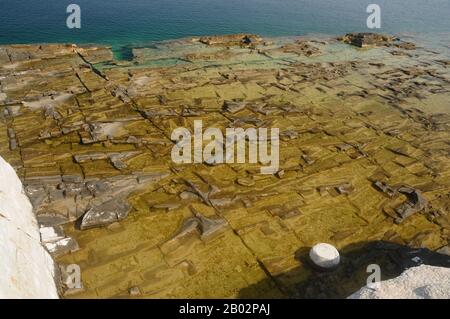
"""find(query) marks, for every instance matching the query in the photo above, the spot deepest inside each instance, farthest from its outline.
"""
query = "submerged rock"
(301, 48)
(233, 107)
(210, 227)
(385, 188)
(95, 146)
(207, 228)
(245, 181)
(62, 246)
(415, 203)
(56, 242)
(405, 45)
(109, 212)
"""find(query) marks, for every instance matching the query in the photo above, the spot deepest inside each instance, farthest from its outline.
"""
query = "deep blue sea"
(122, 22)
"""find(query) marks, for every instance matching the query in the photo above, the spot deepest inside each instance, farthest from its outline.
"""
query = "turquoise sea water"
(122, 22)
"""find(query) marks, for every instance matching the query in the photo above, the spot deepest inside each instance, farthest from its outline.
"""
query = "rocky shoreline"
(364, 127)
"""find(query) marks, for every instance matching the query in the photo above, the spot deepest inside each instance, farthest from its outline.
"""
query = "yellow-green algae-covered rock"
(83, 131)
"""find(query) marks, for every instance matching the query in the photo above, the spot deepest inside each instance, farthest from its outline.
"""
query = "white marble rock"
(421, 282)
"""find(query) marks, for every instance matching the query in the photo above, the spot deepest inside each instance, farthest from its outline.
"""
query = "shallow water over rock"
(348, 118)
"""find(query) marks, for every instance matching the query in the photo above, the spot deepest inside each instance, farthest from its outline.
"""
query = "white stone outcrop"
(27, 270)
(422, 282)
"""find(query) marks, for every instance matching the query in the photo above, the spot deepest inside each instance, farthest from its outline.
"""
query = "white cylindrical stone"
(324, 256)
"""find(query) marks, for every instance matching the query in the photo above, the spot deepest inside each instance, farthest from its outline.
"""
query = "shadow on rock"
(308, 282)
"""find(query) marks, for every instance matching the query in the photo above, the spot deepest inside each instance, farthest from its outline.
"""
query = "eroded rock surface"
(90, 137)
(109, 212)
